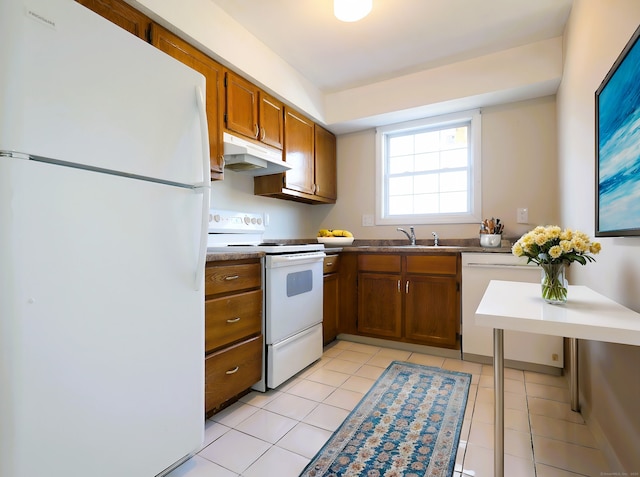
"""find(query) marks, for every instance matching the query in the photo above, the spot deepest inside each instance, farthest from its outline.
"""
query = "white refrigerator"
(104, 199)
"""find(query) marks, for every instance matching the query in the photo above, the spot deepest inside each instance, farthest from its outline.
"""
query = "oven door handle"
(294, 259)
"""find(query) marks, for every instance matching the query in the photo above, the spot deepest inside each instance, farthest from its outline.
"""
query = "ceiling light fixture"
(351, 10)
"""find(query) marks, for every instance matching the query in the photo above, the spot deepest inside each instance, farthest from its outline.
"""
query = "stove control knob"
(247, 220)
(216, 218)
(253, 220)
(259, 221)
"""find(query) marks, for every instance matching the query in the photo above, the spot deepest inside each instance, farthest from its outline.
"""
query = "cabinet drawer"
(379, 263)
(232, 318)
(331, 264)
(230, 278)
(433, 264)
(231, 371)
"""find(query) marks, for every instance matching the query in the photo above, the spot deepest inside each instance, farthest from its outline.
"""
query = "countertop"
(221, 256)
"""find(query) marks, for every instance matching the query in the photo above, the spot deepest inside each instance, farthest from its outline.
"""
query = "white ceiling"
(398, 37)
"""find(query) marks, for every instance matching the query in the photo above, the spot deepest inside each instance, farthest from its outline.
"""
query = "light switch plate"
(367, 220)
(522, 215)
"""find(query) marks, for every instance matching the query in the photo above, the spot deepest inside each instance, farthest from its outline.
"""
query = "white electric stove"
(293, 292)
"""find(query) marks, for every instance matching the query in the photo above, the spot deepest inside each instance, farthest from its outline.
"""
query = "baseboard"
(510, 363)
(599, 436)
(414, 348)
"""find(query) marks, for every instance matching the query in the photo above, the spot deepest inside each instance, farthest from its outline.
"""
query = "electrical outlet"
(522, 216)
(367, 220)
(554, 357)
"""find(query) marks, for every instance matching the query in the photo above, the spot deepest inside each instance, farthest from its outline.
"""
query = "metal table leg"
(573, 379)
(498, 388)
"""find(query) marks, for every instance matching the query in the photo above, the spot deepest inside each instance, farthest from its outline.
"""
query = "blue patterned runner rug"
(408, 425)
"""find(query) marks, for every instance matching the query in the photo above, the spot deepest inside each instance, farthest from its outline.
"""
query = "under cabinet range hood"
(247, 157)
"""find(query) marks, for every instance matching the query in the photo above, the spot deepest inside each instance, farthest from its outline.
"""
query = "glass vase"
(554, 283)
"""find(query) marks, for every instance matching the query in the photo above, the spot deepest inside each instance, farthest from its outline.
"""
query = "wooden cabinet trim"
(379, 263)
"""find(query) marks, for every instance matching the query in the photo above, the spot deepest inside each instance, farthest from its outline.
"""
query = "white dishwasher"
(527, 351)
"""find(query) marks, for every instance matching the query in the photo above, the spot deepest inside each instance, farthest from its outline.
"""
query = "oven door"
(293, 294)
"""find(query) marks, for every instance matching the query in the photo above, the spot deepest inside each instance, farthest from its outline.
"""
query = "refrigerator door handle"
(206, 178)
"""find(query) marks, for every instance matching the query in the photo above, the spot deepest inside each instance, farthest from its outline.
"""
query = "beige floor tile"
(562, 430)
(516, 443)
(305, 440)
(509, 373)
(553, 393)
(343, 398)
(511, 400)
(358, 384)
(266, 425)
(331, 352)
(548, 379)
(355, 356)
(234, 414)
(328, 376)
(510, 385)
(380, 361)
(280, 462)
(371, 372)
(312, 368)
(513, 419)
(363, 348)
(235, 450)
(326, 417)
(462, 366)
(213, 430)
(292, 406)
(571, 457)
(426, 360)
(311, 390)
(396, 354)
(478, 462)
(200, 467)
(343, 366)
(259, 399)
(554, 409)
(548, 471)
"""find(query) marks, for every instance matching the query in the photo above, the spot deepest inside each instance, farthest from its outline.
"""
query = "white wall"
(609, 374)
(519, 169)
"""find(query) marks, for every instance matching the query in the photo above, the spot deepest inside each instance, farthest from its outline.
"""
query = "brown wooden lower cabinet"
(331, 298)
(409, 297)
(232, 370)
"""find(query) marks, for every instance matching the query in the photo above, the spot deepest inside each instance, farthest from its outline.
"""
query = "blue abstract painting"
(619, 147)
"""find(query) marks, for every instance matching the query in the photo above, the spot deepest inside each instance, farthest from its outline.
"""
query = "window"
(428, 171)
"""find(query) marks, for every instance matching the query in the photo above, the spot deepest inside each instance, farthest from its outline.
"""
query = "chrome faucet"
(435, 239)
(411, 237)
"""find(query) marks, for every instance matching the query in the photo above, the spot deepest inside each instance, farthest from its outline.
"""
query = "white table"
(519, 306)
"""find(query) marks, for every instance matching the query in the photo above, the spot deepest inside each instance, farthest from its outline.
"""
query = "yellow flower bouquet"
(552, 248)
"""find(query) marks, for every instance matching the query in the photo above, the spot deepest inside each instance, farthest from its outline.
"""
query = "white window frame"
(475, 164)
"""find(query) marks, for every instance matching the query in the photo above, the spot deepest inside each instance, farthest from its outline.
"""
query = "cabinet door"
(326, 176)
(379, 305)
(123, 15)
(241, 106)
(298, 151)
(271, 117)
(432, 313)
(330, 308)
(177, 48)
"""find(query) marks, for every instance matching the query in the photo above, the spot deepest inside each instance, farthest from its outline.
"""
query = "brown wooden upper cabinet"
(213, 72)
(123, 15)
(325, 165)
(311, 151)
(253, 113)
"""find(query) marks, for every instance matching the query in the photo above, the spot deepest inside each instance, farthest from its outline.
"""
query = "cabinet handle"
(257, 133)
(232, 371)
(406, 287)
(232, 277)
(263, 135)
(329, 264)
(233, 320)
(398, 286)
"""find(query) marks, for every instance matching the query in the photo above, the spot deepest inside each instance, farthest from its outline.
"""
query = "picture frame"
(617, 133)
